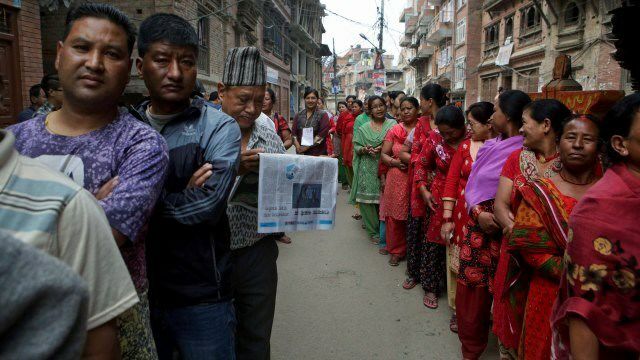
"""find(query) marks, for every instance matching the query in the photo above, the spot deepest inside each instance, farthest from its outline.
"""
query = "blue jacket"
(188, 254)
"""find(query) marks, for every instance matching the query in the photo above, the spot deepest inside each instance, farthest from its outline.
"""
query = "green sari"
(366, 184)
(360, 120)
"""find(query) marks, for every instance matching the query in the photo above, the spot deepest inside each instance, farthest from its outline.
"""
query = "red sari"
(420, 136)
(345, 130)
(436, 155)
(521, 164)
(455, 183)
(538, 241)
(395, 204)
(601, 280)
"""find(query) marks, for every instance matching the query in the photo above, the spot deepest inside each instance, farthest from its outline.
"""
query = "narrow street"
(339, 299)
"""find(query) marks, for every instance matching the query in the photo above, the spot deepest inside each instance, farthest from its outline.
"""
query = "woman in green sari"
(367, 145)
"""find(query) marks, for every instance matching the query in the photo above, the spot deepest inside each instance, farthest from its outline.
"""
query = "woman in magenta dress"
(436, 154)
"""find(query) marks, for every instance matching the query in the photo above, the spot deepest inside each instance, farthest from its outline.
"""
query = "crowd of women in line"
(522, 212)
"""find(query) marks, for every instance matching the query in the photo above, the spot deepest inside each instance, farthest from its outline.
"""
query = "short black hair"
(371, 99)
(394, 94)
(618, 121)
(50, 82)
(551, 109)
(310, 91)
(481, 111)
(102, 11)
(412, 100)
(512, 103)
(34, 90)
(168, 28)
(213, 96)
(452, 116)
(350, 97)
(359, 102)
(343, 103)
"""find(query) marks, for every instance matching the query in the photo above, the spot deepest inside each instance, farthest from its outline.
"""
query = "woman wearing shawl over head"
(456, 221)
(538, 159)
(367, 145)
(395, 207)
(480, 194)
(540, 230)
(432, 98)
(597, 313)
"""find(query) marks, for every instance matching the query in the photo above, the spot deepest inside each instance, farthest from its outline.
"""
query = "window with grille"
(530, 20)
(461, 3)
(203, 42)
(508, 28)
(528, 80)
(461, 31)
(572, 14)
(460, 72)
(489, 88)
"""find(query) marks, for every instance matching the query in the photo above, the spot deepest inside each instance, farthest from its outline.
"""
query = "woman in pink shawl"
(597, 313)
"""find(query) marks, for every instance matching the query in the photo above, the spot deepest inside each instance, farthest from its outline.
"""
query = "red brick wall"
(29, 44)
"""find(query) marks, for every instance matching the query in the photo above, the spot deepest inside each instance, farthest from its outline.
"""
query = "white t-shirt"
(51, 212)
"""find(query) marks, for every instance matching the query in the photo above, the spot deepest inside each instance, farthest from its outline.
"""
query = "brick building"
(288, 32)
(539, 31)
(20, 55)
(455, 43)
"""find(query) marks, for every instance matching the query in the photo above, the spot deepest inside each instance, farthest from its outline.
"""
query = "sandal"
(285, 239)
(383, 251)
(409, 283)
(356, 216)
(374, 241)
(395, 260)
(453, 324)
(430, 301)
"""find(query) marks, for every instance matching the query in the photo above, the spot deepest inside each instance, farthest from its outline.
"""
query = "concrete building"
(306, 50)
(442, 45)
(355, 73)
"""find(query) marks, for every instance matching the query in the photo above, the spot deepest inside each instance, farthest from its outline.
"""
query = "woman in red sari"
(540, 231)
(597, 313)
(432, 98)
(395, 208)
(346, 138)
(436, 155)
(539, 159)
(454, 228)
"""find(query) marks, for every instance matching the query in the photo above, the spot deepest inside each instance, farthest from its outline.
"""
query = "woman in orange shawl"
(540, 232)
(597, 313)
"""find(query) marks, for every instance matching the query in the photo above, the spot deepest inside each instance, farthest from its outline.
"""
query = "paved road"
(339, 299)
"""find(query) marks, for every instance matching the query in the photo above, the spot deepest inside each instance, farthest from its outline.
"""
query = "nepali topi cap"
(244, 67)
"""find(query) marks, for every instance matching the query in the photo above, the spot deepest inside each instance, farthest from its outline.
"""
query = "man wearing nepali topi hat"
(254, 255)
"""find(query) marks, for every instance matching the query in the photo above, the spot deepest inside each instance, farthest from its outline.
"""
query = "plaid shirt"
(45, 109)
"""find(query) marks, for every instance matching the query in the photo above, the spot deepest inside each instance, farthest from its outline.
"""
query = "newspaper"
(296, 193)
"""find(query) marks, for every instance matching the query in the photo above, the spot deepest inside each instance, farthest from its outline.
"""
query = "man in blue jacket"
(189, 257)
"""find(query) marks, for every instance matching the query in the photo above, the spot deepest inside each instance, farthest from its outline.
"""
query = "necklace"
(573, 182)
(543, 160)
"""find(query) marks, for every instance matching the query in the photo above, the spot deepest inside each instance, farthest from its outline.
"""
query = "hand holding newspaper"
(296, 193)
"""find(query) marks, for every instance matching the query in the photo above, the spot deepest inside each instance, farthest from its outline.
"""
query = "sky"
(346, 32)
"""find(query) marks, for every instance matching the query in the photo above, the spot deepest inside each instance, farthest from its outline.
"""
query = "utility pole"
(381, 20)
(334, 81)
